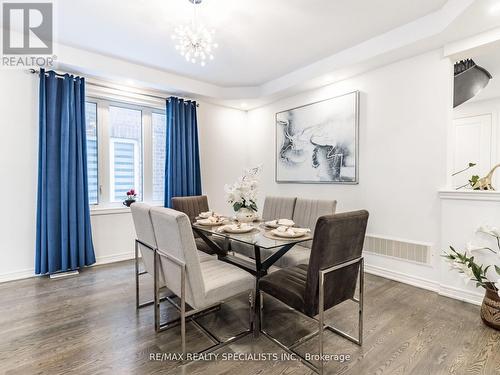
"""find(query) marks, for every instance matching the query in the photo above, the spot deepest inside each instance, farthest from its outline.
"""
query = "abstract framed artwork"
(318, 142)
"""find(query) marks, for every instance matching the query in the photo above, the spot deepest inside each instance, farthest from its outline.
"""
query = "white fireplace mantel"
(470, 195)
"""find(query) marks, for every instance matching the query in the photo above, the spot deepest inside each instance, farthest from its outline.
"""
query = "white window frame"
(155, 111)
(92, 101)
(104, 157)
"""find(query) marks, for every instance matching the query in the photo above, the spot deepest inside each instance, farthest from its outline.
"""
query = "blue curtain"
(64, 238)
(182, 167)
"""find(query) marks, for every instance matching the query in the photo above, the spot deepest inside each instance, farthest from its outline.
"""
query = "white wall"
(224, 150)
(113, 233)
(404, 111)
(18, 172)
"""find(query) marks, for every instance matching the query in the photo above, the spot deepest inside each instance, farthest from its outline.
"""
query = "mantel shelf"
(470, 195)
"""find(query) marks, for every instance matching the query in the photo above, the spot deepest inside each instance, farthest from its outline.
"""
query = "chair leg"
(136, 275)
(261, 310)
(251, 310)
(361, 299)
(156, 294)
(183, 310)
(321, 319)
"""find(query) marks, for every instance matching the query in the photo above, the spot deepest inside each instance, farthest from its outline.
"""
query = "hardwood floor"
(89, 325)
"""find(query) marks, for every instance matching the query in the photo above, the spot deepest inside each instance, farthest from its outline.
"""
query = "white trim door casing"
(472, 143)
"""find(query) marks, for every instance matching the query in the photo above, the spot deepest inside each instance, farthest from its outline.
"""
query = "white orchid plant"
(243, 193)
(465, 263)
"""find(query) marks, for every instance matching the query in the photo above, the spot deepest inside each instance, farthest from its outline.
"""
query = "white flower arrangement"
(243, 193)
(469, 269)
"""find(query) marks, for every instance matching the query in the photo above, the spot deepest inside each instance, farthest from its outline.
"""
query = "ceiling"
(259, 40)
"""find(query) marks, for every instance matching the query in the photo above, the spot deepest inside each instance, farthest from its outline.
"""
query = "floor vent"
(409, 251)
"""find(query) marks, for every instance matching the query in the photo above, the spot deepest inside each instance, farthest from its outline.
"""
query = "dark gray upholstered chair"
(192, 207)
(329, 279)
(274, 208)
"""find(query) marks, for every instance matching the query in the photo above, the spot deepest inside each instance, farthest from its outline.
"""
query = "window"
(125, 132)
(91, 125)
(126, 151)
(159, 130)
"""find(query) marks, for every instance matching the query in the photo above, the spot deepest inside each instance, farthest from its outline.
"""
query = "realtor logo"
(28, 29)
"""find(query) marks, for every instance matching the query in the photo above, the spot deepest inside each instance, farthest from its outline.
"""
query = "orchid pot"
(242, 195)
(245, 215)
(490, 309)
(466, 264)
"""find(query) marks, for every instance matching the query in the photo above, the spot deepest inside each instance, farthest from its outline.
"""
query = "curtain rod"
(59, 75)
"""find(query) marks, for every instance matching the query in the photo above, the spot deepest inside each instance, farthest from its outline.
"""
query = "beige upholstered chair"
(274, 208)
(278, 208)
(198, 284)
(305, 215)
(146, 245)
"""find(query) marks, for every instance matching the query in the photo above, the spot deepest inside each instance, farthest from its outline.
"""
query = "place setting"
(211, 219)
(281, 229)
(237, 228)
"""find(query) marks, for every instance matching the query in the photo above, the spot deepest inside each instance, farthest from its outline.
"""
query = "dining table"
(260, 238)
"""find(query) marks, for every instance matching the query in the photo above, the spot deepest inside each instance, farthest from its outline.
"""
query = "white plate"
(206, 215)
(274, 224)
(287, 234)
(208, 223)
(234, 229)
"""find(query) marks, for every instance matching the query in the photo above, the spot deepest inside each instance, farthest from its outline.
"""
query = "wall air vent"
(403, 250)
(469, 80)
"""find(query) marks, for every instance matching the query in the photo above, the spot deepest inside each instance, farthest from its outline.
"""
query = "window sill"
(97, 211)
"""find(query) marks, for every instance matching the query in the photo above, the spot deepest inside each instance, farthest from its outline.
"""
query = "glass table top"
(258, 236)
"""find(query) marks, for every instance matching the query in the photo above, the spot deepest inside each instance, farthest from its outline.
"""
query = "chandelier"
(195, 41)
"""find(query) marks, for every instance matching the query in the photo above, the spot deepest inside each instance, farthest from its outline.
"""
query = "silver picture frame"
(277, 150)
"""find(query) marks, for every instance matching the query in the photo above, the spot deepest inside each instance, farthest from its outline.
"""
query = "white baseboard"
(114, 258)
(403, 278)
(17, 275)
(476, 298)
(26, 274)
(442, 290)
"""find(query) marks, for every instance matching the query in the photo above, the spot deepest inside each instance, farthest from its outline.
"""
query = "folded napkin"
(207, 214)
(285, 222)
(293, 231)
(234, 227)
(211, 220)
(278, 222)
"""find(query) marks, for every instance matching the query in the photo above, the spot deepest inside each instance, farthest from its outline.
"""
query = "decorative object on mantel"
(318, 142)
(195, 41)
(469, 166)
(131, 195)
(242, 195)
(465, 263)
(472, 180)
(484, 183)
